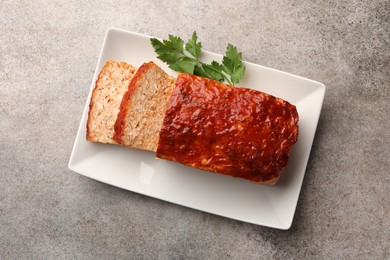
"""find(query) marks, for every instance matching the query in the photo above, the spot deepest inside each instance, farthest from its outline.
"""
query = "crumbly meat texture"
(112, 83)
(233, 131)
(143, 108)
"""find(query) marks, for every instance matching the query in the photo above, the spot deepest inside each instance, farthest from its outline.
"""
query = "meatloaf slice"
(143, 108)
(228, 130)
(112, 83)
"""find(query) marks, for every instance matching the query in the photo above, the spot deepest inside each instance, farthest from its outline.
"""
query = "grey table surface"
(48, 53)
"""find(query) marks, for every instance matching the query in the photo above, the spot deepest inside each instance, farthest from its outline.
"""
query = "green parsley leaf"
(213, 72)
(166, 51)
(186, 65)
(193, 46)
(216, 65)
(185, 58)
(232, 64)
(175, 43)
(200, 72)
(237, 74)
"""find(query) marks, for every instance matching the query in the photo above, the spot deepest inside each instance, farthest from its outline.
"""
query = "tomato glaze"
(229, 130)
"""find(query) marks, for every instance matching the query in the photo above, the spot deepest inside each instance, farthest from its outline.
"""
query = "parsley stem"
(227, 79)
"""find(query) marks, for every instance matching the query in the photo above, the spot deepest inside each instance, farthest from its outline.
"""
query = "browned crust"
(124, 107)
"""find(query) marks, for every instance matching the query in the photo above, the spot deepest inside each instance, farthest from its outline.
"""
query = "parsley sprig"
(186, 58)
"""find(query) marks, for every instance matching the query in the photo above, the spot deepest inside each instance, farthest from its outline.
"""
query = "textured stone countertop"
(48, 54)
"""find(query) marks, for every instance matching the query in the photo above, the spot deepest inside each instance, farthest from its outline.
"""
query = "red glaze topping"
(233, 131)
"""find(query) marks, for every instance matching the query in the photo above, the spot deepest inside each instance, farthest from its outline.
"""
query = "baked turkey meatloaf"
(143, 108)
(112, 83)
(228, 130)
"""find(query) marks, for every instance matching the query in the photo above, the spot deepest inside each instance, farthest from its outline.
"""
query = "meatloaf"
(113, 81)
(143, 108)
(228, 130)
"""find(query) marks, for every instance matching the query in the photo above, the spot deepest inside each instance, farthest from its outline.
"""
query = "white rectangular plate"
(141, 172)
